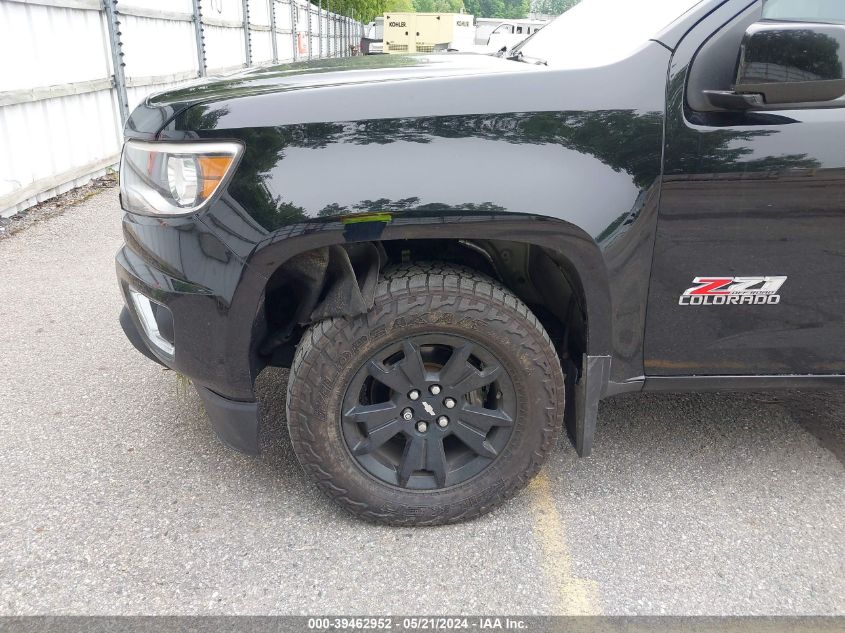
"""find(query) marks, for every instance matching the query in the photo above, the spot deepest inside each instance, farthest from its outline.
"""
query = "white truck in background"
(372, 42)
(511, 32)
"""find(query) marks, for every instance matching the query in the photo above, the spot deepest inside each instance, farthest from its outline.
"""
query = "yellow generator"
(427, 32)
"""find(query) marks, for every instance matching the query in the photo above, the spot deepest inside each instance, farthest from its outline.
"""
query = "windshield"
(805, 10)
(600, 32)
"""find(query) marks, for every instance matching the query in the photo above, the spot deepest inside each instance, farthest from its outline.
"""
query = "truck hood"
(334, 72)
(324, 73)
(394, 87)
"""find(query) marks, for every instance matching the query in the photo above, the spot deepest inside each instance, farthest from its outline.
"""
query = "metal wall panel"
(284, 47)
(171, 6)
(223, 10)
(259, 20)
(259, 12)
(158, 47)
(60, 124)
(48, 137)
(42, 46)
(262, 48)
(224, 47)
(51, 137)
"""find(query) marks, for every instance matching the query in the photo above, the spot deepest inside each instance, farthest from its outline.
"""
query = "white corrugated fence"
(62, 105)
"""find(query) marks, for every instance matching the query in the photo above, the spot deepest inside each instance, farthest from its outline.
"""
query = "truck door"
(749, 262)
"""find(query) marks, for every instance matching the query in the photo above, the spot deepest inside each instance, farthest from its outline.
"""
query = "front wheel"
(435, 407)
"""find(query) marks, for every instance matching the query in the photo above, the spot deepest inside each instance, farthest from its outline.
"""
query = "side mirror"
(787, 64)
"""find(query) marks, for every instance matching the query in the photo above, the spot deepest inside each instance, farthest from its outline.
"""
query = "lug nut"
(450, 403)
(443, 421)
(434, 389)
(422, 427)
(407, 414)
(414, 394)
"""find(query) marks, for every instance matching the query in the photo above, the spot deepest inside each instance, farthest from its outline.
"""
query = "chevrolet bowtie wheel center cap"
(422, 413)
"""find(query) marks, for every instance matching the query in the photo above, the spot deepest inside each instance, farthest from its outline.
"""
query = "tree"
(362, 10)
(552, 7)
(498, 8)
(400, 6)
(439, 6)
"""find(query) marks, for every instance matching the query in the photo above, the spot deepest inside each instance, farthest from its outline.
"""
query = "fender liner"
(567, 244)
(331, 286)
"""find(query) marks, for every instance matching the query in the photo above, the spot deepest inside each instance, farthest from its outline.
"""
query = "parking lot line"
(570, 595)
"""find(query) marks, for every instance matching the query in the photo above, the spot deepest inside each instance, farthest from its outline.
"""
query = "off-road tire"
(413, 299)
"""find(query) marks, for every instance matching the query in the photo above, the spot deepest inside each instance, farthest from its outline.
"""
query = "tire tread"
(429, 279)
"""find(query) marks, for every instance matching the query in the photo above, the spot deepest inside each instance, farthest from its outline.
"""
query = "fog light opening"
(146, 315)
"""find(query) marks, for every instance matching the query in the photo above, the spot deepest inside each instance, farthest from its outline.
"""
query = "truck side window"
(805, 10)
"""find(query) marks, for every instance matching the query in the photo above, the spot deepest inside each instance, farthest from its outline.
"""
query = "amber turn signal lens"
(212, 171)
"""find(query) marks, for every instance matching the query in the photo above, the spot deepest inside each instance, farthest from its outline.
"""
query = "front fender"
(577, 172)
(583, 185)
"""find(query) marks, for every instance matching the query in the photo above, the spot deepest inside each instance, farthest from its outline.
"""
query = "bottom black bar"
(530, 624)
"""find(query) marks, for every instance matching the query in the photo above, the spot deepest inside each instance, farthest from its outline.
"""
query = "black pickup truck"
(459, 255)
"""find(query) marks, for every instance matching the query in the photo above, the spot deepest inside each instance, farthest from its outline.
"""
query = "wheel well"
(343, 276)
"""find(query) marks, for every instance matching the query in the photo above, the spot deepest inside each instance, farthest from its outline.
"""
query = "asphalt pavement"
(118, 499)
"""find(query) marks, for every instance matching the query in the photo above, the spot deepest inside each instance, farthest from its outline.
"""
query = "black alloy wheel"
(428, 412)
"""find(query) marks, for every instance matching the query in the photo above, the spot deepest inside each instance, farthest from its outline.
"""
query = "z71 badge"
(717, 291)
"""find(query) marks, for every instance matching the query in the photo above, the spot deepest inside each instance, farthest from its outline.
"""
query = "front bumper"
(201, 327)
(134, 335)
(235, 423)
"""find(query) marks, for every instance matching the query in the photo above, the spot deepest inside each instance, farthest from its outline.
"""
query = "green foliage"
(400, 6)
(438, 6)
(367, 10)
(498, 8)
(553, 7)
(183, 384)
(362, 10)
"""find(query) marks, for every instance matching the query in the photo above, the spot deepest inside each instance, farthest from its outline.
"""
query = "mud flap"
(587, 392)
(234, 422)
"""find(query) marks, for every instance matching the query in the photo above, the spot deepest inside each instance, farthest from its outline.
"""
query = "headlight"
(173, 178)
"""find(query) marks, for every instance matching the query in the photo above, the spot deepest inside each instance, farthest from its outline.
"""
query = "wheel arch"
(572, 253)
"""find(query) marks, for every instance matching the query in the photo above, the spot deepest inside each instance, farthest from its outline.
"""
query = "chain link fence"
(74, 69)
